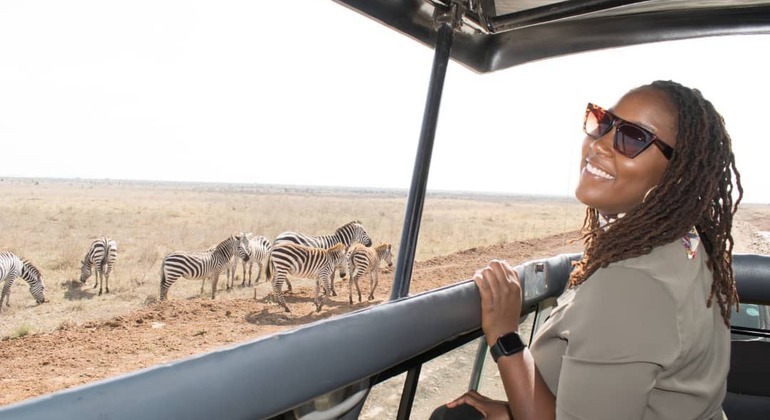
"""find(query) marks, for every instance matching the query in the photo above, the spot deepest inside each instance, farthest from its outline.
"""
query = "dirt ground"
(73, 355)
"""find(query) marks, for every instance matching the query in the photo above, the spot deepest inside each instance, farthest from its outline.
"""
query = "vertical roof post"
(403, 274)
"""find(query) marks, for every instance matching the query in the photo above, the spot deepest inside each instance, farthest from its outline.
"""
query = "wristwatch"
(506, 345)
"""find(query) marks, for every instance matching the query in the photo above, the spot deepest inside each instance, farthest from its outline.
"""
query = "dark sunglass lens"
(631, 140)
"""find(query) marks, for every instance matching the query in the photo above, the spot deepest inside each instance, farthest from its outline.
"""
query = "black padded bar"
(752, 277)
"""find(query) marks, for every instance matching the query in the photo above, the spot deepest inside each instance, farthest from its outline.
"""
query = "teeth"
(598, 172)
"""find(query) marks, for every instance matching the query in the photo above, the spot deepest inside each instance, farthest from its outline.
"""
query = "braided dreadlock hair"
(696, 190)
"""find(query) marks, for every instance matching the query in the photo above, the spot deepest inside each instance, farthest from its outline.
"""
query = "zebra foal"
(250, 250)
(100, 258)
(303, 261)
(197, 265)
(11, 267)
(362, 261)
(347, 234)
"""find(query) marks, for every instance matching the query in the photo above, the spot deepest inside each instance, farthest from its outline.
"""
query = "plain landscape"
(79, 337)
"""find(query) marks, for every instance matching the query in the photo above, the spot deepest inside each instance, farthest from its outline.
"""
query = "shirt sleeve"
(622, 331)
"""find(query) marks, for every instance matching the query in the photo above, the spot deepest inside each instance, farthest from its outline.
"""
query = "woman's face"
(613, 183)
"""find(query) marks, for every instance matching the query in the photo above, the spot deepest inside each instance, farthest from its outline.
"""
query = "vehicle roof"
(497, 34)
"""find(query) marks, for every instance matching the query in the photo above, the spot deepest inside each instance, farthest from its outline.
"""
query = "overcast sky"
(233, 91)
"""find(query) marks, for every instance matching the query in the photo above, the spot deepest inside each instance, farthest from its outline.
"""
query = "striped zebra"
(197, 265)
(303, 261)
(362, 261)
(251, 250)
(100, 259)
(347, 234)
(11, 267)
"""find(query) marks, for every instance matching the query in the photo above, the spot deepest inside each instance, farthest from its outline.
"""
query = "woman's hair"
(696, 190)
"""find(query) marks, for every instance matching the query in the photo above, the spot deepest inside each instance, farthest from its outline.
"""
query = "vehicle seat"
(748, 383)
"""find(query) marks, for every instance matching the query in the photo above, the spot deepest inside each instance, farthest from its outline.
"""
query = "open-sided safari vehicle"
(328, 369)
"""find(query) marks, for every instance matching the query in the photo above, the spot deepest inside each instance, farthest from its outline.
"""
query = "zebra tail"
(162, 276)
(269, 268)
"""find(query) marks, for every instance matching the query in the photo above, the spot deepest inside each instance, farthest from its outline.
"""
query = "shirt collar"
(690, 240)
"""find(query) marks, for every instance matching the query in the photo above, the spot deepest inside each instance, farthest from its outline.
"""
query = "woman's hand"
(491, 409)
(500, 292)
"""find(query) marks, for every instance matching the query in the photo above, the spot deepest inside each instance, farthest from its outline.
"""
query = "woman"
(643, 330)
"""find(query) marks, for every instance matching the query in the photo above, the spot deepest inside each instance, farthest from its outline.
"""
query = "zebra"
(251, 250)
(303, 261)
(100, 258)
(347, 234)
(197, 265)
(362, 261)
(11, 267)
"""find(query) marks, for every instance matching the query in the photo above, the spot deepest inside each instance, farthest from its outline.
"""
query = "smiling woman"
(616, 173)
(658, 244)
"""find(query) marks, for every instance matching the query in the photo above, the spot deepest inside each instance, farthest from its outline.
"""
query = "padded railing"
(265, 377)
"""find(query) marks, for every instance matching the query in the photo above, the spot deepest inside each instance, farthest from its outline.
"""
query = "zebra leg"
(373, 284)
(288, 284)
(251, 269)
(353, 279)
(320, 300)
(358, 289)
(259, 273)
(277, 285)
(214, 281)
(350, 289)
(106, 280)
(100, 280)
(203, 282)
(96, 276)
(7, 291)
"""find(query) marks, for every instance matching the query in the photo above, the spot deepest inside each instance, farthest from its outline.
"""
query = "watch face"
(510, 342)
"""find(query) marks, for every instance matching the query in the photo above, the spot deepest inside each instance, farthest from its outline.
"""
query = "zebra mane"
(349, 224)
(339, 246)
(30, 268)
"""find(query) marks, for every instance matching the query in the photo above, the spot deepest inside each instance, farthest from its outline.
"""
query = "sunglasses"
(630, 139)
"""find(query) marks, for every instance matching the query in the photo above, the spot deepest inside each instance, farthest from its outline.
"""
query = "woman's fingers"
(471, 398)
(500, 293)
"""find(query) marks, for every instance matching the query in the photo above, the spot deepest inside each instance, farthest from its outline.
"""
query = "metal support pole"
(414, 206)
(410, 389)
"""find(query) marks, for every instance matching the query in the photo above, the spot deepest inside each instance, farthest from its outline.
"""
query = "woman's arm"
(500, 292)
(527, 393)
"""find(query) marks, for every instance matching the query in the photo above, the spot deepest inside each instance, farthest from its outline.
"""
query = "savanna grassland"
(79, 337)
(52, 223)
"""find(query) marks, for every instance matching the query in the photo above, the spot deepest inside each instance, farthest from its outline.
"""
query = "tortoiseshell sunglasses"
(630, 139)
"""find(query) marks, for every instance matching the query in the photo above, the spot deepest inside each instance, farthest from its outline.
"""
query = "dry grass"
(52, 223)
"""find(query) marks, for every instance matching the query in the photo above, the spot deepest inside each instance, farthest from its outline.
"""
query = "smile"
(598, 172)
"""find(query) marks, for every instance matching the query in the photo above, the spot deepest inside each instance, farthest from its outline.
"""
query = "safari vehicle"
(328, 369)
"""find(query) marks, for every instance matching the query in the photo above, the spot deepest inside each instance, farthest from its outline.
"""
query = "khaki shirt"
(636, 341)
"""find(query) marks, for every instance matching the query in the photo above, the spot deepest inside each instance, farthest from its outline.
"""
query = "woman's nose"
(604, 144)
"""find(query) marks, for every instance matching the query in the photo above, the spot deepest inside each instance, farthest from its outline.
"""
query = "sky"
(234, 91)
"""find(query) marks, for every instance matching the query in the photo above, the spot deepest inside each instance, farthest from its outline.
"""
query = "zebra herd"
(348, 249)
(292, 253)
